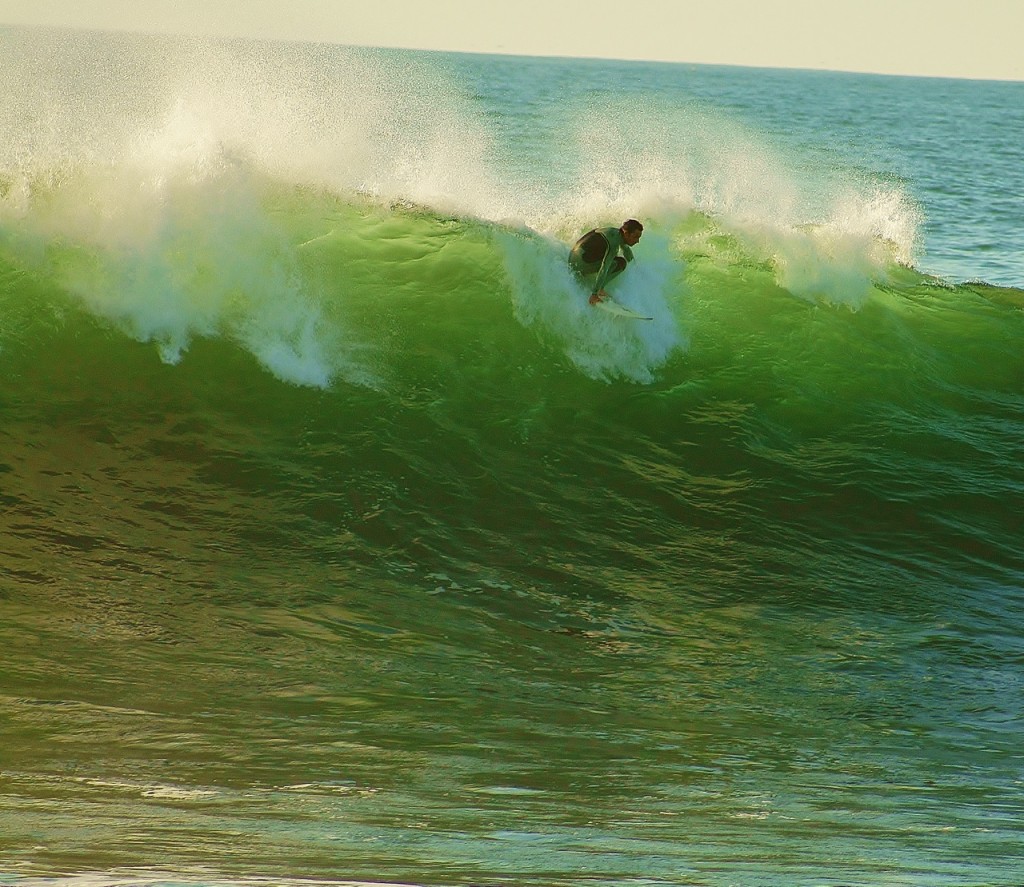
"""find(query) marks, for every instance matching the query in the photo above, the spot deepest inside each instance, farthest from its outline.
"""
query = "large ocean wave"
(343, 539)
(343, 261)
(287, 200)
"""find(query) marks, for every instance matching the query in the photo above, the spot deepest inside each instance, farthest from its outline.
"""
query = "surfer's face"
(632, 238)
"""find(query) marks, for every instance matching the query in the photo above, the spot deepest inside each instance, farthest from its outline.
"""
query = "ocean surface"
(341, 541)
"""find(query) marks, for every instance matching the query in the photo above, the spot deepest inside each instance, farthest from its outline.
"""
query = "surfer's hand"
(599, 296)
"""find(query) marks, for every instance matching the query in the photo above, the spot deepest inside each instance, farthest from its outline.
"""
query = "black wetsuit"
(597, 252)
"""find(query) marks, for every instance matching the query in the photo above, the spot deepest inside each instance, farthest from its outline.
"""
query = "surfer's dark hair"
(632, 225)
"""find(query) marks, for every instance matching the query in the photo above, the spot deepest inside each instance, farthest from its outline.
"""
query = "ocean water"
(343, 542)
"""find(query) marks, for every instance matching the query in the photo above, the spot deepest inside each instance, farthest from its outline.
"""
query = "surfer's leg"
(583, 271)
(618, 266)
(580, 266)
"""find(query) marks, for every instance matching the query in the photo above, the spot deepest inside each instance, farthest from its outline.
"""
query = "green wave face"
(459, 355)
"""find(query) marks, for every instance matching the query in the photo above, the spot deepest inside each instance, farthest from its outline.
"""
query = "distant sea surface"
(342, 541)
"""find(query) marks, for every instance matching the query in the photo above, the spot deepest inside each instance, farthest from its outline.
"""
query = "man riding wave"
(597, 254)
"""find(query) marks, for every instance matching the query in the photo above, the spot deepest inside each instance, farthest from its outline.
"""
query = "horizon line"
(502, 52)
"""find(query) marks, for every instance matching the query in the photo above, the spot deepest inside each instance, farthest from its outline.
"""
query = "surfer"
(597, 253)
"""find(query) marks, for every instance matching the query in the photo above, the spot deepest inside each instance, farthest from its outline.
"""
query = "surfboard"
(613, 307)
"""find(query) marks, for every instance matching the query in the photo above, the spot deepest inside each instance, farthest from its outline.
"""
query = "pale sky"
(948, 38)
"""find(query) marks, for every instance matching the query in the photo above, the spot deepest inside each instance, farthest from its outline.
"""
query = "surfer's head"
(631, 230)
